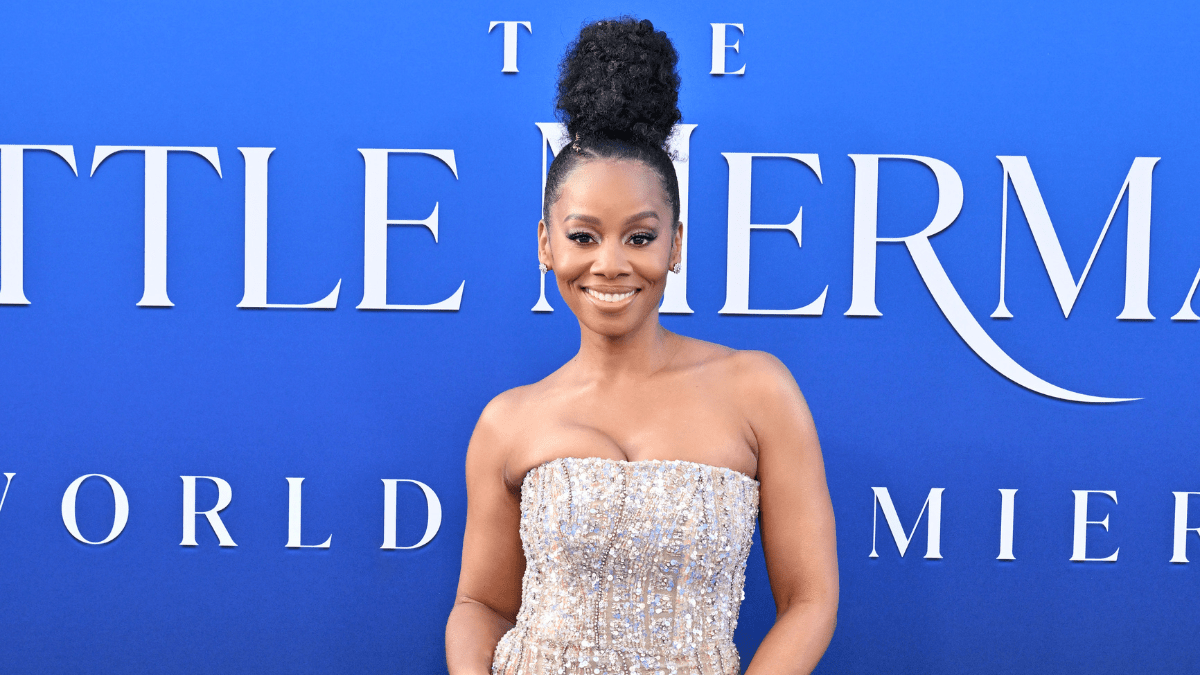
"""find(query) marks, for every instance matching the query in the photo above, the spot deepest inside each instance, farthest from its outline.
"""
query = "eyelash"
(578, 237)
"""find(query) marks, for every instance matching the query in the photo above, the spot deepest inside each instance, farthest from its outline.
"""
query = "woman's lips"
(610, 298)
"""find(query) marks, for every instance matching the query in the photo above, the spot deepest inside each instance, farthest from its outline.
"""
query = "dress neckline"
(609, 460)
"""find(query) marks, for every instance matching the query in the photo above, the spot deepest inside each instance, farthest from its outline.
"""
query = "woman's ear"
(545, 256)
(676, 245)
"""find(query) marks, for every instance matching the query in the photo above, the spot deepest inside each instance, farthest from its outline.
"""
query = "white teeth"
(610, 297)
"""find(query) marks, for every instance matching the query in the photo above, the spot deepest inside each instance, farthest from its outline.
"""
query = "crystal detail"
(631, 567)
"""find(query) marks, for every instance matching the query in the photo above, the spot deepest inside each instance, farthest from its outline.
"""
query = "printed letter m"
(1137, 237)
(933, 550)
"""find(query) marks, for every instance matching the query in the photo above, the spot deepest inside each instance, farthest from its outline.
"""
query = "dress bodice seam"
(724, 469)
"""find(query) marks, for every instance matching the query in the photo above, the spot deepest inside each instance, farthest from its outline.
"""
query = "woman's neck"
(638, 354)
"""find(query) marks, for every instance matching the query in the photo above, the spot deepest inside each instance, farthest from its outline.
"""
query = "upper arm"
(796, 513)
(492, 560)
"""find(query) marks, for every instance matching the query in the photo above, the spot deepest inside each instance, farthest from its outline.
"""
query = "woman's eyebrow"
(585, 218)
(642, 216)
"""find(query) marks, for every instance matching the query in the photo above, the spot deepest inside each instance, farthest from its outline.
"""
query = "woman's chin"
(613, 325)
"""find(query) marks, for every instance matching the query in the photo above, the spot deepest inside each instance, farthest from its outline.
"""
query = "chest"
(692, 423)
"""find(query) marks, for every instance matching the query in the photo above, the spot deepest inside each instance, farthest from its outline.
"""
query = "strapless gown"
(631, 567)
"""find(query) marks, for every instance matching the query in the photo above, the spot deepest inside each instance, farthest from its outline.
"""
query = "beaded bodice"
(631, 567)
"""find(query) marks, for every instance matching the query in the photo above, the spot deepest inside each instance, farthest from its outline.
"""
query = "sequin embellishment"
(631, 567)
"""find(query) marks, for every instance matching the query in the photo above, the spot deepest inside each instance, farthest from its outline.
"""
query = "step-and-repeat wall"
(261, 267)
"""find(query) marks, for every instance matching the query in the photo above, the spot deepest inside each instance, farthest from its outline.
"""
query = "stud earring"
(677, 268)
(542, 267)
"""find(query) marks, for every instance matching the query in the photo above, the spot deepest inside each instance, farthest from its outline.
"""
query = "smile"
(610, 297)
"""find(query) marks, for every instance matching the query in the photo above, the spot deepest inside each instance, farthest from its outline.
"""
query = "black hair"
(618, 93)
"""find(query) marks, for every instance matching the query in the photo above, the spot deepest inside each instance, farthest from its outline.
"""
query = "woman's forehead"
(606, 185)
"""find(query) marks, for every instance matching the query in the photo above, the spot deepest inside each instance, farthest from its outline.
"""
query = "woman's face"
(610, 243)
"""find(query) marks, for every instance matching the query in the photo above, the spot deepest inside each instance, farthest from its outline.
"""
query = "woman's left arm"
(796, 518)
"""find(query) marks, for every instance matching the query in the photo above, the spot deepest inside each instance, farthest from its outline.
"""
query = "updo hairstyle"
(618, 94)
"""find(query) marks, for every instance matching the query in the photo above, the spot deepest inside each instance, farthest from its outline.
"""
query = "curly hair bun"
(618, 81)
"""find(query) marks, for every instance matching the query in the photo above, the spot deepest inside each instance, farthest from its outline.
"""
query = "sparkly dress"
(631, 567)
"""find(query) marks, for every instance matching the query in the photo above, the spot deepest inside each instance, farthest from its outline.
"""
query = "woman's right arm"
(489, 585)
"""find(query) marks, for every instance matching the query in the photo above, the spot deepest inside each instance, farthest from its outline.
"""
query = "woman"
(611, 506)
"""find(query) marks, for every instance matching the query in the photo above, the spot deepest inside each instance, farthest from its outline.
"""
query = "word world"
(212, 515)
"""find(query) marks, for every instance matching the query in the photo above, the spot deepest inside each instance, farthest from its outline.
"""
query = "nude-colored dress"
(631, 567)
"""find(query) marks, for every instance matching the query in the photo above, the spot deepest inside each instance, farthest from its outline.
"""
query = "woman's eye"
(641, 239)
(581, 238)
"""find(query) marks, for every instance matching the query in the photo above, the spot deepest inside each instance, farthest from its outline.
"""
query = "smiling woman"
(612, 245)
(611, 506)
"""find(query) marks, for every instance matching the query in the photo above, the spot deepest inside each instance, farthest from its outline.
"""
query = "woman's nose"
(611, 261)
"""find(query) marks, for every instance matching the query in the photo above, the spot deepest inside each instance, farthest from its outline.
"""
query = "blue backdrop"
(92, 383)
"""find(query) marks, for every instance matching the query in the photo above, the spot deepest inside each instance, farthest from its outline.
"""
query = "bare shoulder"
(499, 425)
(694, 353)
(505, 425)
(760, 372)
(775, 409)
(764, 388)
(746, 372)
(506, 413)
